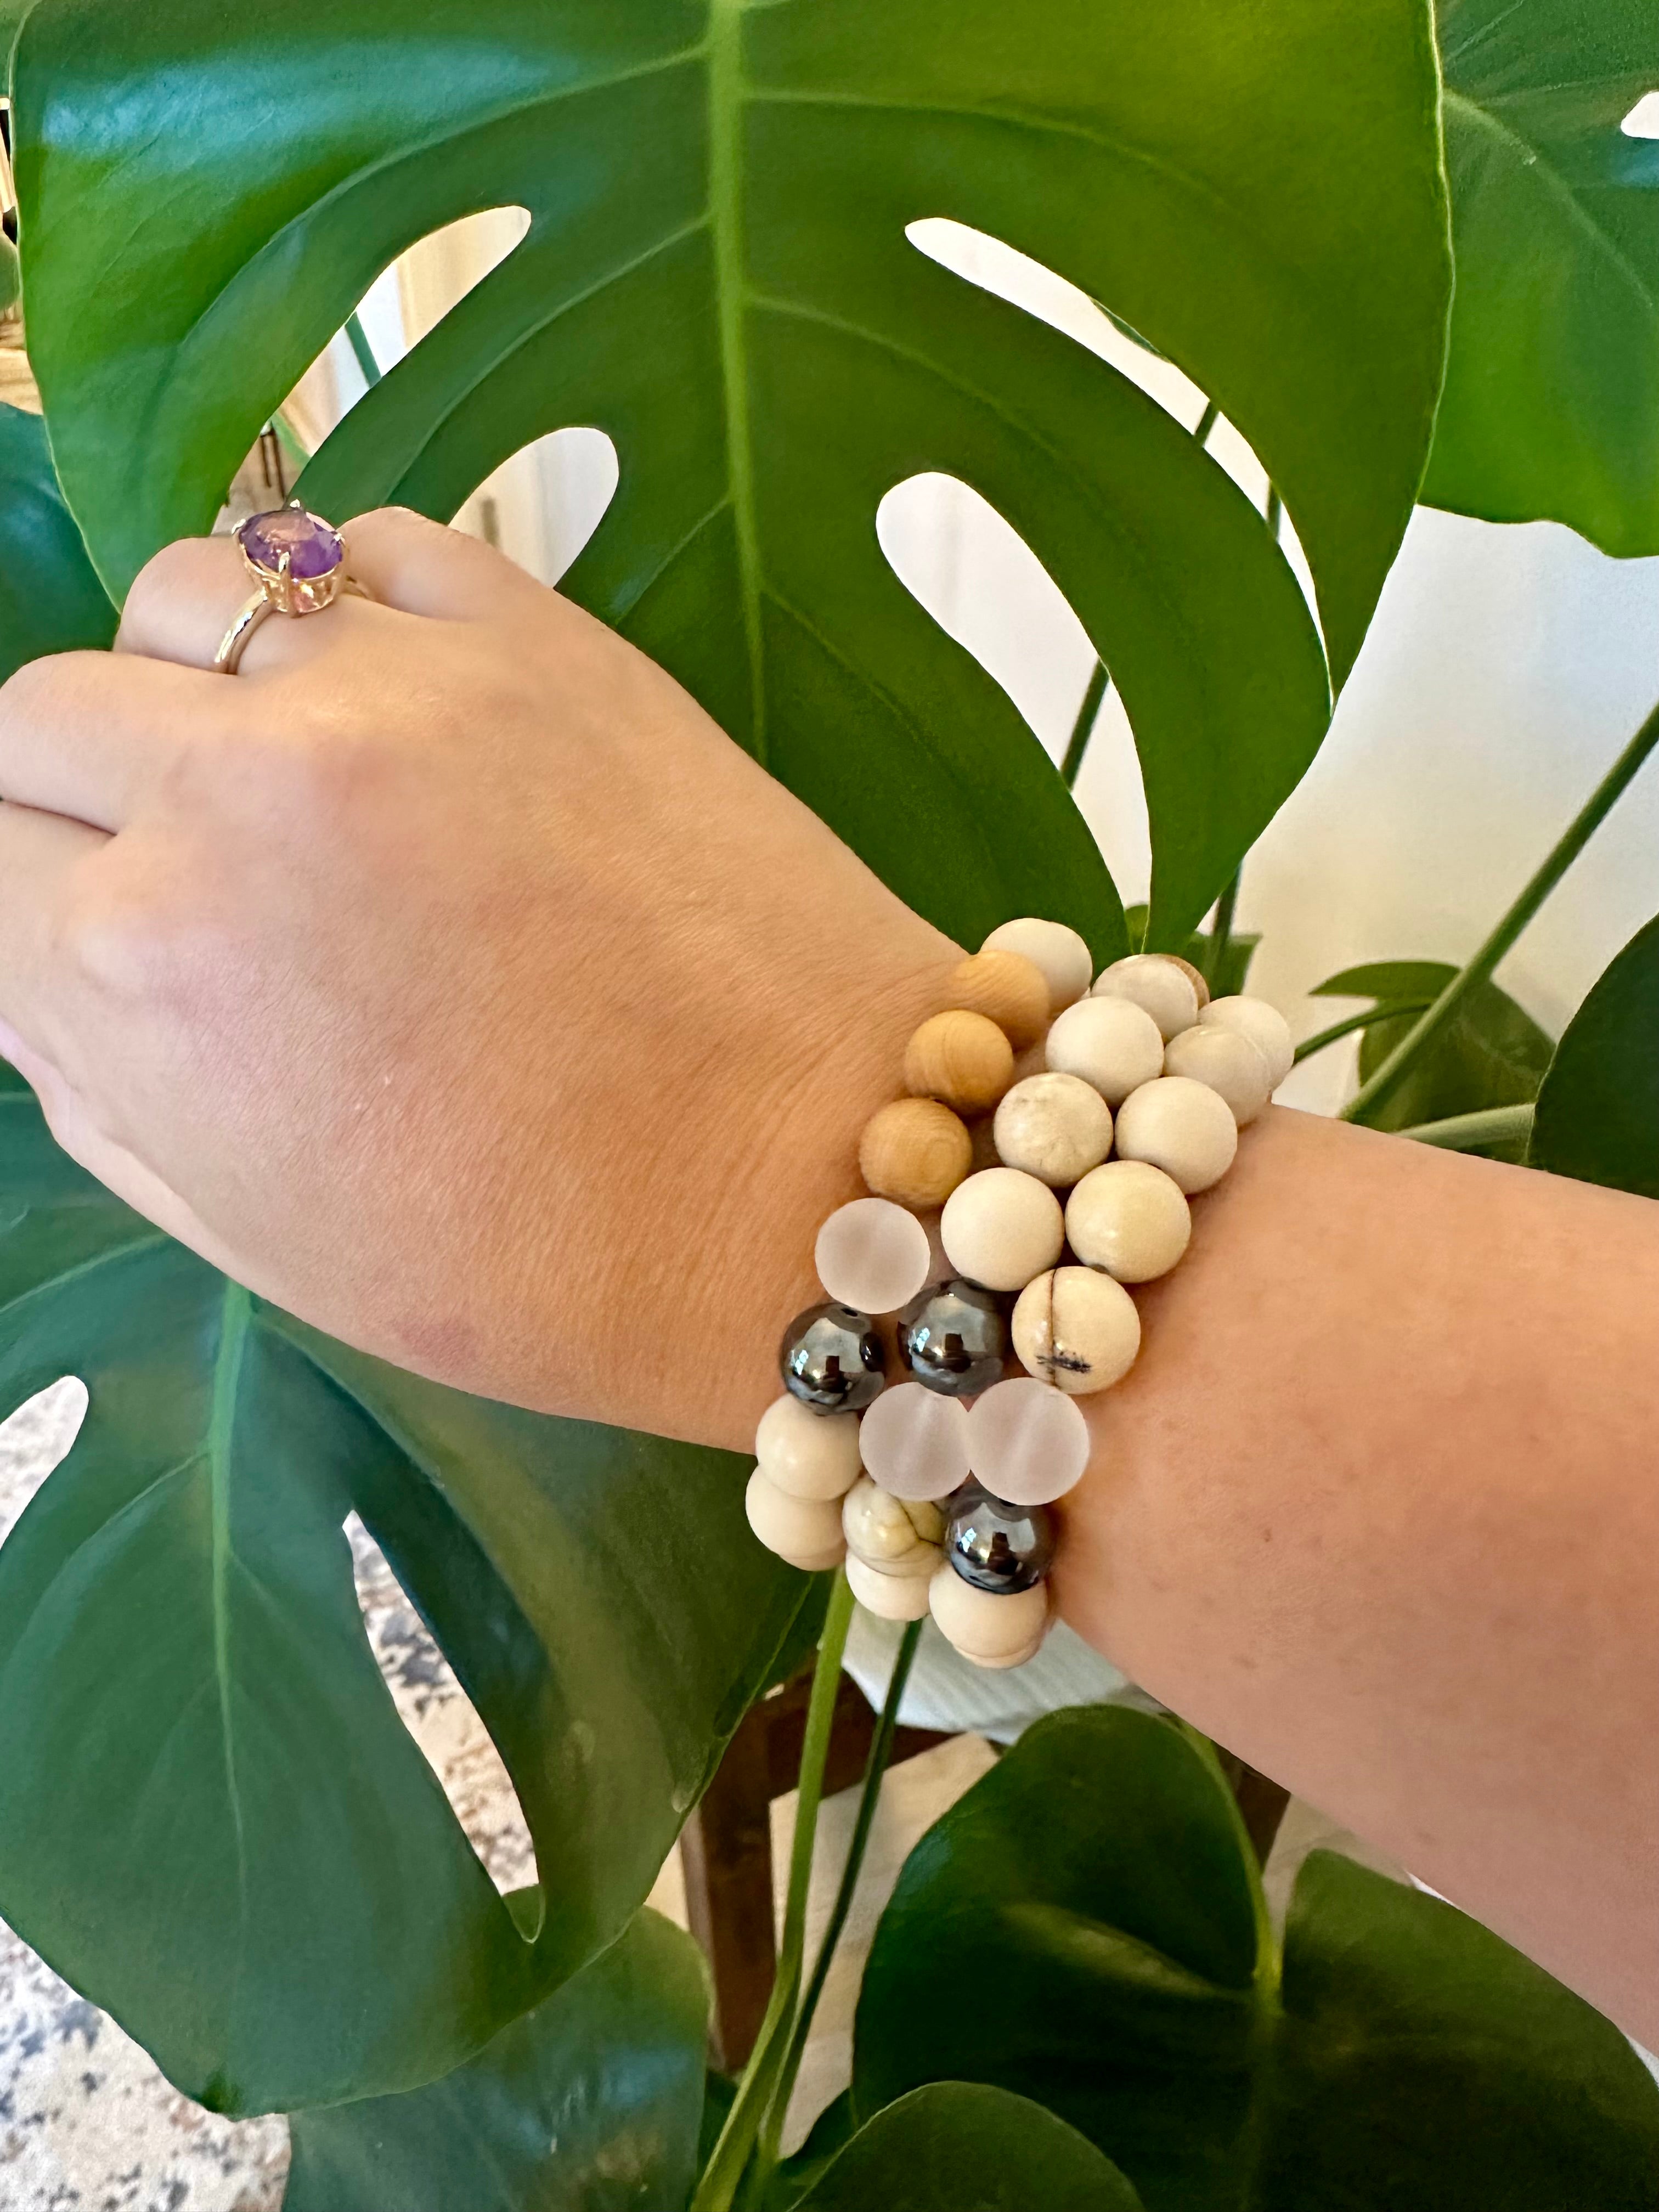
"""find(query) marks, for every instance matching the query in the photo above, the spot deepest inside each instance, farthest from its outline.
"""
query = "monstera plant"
(211, 1821)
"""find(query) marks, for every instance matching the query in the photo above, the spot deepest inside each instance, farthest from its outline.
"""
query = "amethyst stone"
(314, 548)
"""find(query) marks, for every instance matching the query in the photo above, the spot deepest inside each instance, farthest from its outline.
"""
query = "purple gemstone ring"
(297, 562)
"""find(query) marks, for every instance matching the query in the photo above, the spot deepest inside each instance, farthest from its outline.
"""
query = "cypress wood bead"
(810, 1455)
(1027, 1441)
(1053, 1127)
(805, 1531)
(895, 1535)
(1265, 1026)
(889, 1597)
(1129, 1219)
(1161, 984)
(1077, 1329)
(872, 1256)
(1226, 1060)
(1180, 1126)
(993, 1628)
(961, 1059)
(914, 1151)
(1008, 989)
(915, 1443)
(1109, 1043)
(1058, 951)
(1001, 1227)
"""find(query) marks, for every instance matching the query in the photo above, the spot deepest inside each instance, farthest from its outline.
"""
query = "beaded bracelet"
(935, 1492)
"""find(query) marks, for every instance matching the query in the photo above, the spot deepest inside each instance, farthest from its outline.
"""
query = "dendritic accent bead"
(990, 1628)
(1169, 989)
(1028, 1444)
(1265, 1026)
(872, 1256)
(809, 1454)
(830, 1360)
(915, 1444)
(996, 1545)
(1228, 1063)
(953, 1338)
(1180, 1126)
(895, 1535)
(1078, 1330)
(1001, 1227)
(1129, 1219)
(1053, 1127)
(1110, 1042)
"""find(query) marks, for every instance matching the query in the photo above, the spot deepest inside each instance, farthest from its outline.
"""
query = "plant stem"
(1207, 422)
(1560, 858)
(1275, 508)
(1222, 935)
(360, 345)
(1386, 1010)
(1469, 1132)
(1093, 697)
(725, 2169)
(288, 439)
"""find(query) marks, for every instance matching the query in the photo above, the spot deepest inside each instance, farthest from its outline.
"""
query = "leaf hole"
(1642, 121)
(544, 502)
(33, 1440)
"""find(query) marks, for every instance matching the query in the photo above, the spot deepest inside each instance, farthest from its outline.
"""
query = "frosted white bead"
(1000, 1228)
(895, 1535)
(872, 1256)
(915, 1443)
(989, 1627)
(889, 1597)
(1228, 1063)
(805, 1531)
(1056, 1128)
(1112, 1043)
(1059, 952)
(1180, 1126)
(809, 1454)
(1163, 987)
(1027, 1441)
(1129, 1220)
(1265, 1026)
(1077, 1329)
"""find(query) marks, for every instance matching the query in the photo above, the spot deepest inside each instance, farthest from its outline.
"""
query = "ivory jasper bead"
(1163, 986)
(914, 1151)
(896, 1535)
(1265, 1026)
(993, 1628)
(1027, 1441)
(961, 1059)
(1180, 1126)
(1228, 1063)
(889, 1597)
(809, 1454)
(1000, 1228)
(1128, 1219)
(1077, 1329)
(1008, 989)
(872, 1256)
(1059, 952)
(915, 1443)
(1112, 1043)
(1053, 1127)
(805, 1531)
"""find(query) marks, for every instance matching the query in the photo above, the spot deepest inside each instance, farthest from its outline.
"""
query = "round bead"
(831, 1359)
(1055, 1127)
(1112, 1043)
(809, 1454)
(1027, 1441)
(1129, 1220)
(914, 1151)
(1180, 1126)
(961, 1059)
(1059, 952)
(1077, 1329)
(1195, 977)
(889, 1597)
(996, 1545)
(953, 1338)
(1008, 989)
(895, 1535)
(805, 1531)
(1228, 1063)
(1001, 1227)
(872, 1256)
(1164, 986)
(1265, 1026)
(915, 1443)
(993, 1628)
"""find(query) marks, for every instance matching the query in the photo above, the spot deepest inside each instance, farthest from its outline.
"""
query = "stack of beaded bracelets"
(935, 1492)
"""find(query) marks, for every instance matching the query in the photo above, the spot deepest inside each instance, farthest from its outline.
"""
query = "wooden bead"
(1129, 1220)
(1055, 1127)
(1110, 1042)
(1180, 1126)
(914, 1151)
(992, 1628)
(1008, 989)
(889, 1597)
(1195, 976)
(1057, 950)
(805, 1531)
(1158, 981)
(1265, 1026)
(962, 1059)
(1077, 1329)
(1225, 1060)
(1001, 1227)
(810, 1455)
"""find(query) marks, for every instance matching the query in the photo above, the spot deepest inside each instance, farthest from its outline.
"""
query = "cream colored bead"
(889, 1597)
(1180, 1126)
(914, 1151)
(1007, 988)
(1228, 1063)
(1164, 986)
(1000, 1228)
(961, 1059)
(805, 1531)
(1195, 976)
(1077, 1329)
(1129, 1220)
(809, 1454)
(1112, 1043)
(991, 1628)
(872, 1256)
(1059, 952)
(895, 1535)
(1055, 1127)
(1265, 1026)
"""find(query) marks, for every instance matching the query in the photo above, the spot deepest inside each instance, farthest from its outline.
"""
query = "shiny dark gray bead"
(997, 1547)
(953, 1338)
(831, 1359)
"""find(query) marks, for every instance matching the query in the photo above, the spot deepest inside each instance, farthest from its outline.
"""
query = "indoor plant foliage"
(718, 273)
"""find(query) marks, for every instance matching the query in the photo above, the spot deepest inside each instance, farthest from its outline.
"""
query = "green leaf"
(1550, 409)
(1598, 1111)
(11, 281)
(213, 1821)
(50, 600)
(588, 2104)
(717, 273)
(961, 2147)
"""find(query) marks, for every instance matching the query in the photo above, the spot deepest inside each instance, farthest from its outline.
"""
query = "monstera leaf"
(1598, 1112)
(50, 600)
(717, 273)
(958, 2144)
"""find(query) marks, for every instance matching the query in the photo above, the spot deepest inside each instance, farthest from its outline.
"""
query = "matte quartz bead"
(1164, 986)
(995, 1546)
(991, 1628)
(1007, 988)
(961, 1059)
(1001, 1227)
(1055, 1127)
(914, 1151)
(1077, 1329)
(953, 1338)
(1027, 1441)
(1059, 952)
(1112, 1043)
(889, 1597)
(805, 1531)
(808, 1453)
(831, 1359)
(872, 1256)
(915, 1443)
(1129, 1220)
(1180, 1126)
(1265, 1026)
(895, 1535)
(1228, 1063)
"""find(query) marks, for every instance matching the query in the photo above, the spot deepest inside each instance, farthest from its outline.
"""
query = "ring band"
(297, 562)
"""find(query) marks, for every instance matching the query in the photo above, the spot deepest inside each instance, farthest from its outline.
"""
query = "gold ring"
(297, 562)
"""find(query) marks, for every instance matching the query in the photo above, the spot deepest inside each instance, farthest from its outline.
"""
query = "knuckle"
(187, 565)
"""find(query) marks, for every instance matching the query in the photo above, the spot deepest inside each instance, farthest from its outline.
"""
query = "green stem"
(1207, 422)
(287, 438)
(1471, 1132)
(1561, 858)
(1386, 1010)
(725, 2169)
(1222, 935)
(1093, 697)
(361, 346)
(1276, 509)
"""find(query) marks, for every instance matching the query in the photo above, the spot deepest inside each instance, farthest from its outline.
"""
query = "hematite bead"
(953, 1338)
(831, 1359)
(997, 1547)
